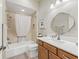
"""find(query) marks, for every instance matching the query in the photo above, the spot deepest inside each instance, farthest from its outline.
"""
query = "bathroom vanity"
(48, 49)
(59, 48)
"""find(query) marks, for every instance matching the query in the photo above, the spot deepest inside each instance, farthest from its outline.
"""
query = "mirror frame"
(67, 14)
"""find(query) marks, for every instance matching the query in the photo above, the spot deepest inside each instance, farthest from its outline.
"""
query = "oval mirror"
(62, 23)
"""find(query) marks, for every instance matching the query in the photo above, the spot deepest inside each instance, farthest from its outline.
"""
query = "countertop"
(62, 44)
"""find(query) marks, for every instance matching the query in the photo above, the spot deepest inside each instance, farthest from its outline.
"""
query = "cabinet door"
(53, 56)
(42, 52)
(65, 55)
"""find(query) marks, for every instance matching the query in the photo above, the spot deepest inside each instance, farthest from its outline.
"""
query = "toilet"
(32, 52)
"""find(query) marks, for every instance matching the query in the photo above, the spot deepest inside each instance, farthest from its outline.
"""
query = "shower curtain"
(23, 26)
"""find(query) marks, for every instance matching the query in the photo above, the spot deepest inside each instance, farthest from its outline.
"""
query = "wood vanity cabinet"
(47, 51)
(43, 53)
(65, 55)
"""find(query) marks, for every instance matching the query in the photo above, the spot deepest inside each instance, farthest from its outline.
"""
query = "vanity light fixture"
(51, 6)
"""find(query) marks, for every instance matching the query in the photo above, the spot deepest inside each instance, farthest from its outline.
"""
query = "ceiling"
(12, 7)
(38, 0)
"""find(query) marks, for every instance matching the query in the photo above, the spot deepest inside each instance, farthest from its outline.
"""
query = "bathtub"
(19, 48)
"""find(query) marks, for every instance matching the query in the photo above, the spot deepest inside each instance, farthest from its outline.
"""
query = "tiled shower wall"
(11, 27)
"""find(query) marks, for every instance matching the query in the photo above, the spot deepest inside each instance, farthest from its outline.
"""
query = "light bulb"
(52, 6)
(58, 2)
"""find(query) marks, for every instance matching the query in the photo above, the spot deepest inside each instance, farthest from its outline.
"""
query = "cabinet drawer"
(50, 48)
(65, 55)
(53, 56)
(40, 42)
